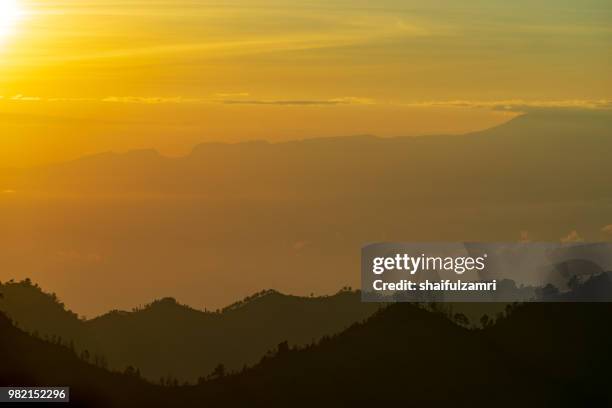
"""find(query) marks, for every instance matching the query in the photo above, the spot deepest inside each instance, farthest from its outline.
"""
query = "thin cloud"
(151, 100)
(156, 100)
(232, 94)
(525, 236)
(24, 98)
(517, 105)
(572, 237)
(243, 98)
(305, 102)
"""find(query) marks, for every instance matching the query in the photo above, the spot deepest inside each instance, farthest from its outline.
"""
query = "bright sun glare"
(10, 12)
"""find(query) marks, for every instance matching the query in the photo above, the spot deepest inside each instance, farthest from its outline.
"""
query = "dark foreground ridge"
(534, 355)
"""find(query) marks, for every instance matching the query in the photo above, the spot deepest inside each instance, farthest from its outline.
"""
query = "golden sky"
(84, 76)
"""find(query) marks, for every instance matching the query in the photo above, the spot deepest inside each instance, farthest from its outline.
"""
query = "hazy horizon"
(116, 231)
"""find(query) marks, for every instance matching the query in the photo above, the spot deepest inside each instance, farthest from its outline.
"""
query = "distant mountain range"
(547, 155)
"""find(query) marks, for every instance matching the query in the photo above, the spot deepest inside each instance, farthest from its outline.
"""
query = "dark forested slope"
(537, 355)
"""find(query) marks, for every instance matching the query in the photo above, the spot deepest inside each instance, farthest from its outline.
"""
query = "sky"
(84, 76)
(80, 77)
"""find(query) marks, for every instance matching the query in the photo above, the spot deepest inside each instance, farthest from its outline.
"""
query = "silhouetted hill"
(537, 355)
(402, 353)
(30, 361)
(564, 346)
(167, 338)
(193, 342)
(36, 311)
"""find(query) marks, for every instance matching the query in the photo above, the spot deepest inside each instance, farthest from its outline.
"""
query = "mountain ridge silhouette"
(534, 355)
(536, 147)
(193, 342)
